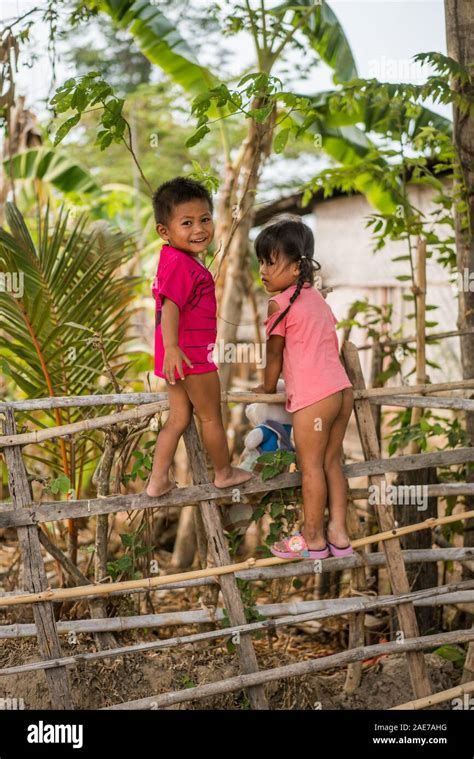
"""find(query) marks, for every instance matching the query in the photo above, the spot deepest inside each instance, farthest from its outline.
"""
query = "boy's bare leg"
(178, 420)
(312, 427)
(204, 391)
(335, 477)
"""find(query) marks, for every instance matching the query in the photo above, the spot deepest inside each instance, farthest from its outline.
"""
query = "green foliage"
(86, 92)
(66, 328)
(61, 485)
(275, 462)
(142, 464)
(430, 425)
(188, 682)
(159, 41)
(234, 541)
(125, 567)
(248, 596)
(279, 504)
(453, 653)
(50, 166)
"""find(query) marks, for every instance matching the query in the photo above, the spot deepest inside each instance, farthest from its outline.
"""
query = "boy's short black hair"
(178, 190)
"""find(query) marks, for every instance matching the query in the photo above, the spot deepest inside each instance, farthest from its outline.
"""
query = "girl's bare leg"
(204, 391)
(179, 418)
(336, 480)
(312, 427)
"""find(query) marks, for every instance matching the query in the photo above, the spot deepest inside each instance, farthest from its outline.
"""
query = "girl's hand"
(258, 389)
(173, 360)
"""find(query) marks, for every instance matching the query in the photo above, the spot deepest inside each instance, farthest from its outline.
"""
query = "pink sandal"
(296, 547)
(340, 552)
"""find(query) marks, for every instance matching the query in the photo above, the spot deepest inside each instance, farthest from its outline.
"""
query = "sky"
(383, 34)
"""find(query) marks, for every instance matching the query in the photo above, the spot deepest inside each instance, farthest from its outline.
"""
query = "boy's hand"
(173, 360)
(261, 389)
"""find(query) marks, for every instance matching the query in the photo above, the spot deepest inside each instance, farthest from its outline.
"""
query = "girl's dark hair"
(295, 240)
(178, 190)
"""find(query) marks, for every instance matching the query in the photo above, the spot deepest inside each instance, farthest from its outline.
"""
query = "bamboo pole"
(437, 698)
(149, 583)
(305, 567)
(396, 569)
(309, 667)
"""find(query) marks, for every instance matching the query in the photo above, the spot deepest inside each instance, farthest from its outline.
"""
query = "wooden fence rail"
(26, 516)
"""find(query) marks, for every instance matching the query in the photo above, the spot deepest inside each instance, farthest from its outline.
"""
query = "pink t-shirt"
(312, 369)
(187, 282)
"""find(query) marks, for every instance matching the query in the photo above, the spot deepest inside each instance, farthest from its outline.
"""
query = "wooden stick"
(307, 667)
(311, 610)
(96, 609)
(148, 583)
(437, 698)
(434, 489)
(462, 404)
(306, 567)
(396, 569)
(298, 612)
(420, 355)
(34, 573)
(412, 338)
(112, 399)
(149, 409)
(53, 511)
(219, 553)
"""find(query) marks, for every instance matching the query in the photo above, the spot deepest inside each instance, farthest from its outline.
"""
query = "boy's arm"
(173, 355)
(274, 355)
(169, 323)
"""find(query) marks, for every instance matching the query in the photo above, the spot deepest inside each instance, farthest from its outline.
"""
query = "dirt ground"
(103, 683)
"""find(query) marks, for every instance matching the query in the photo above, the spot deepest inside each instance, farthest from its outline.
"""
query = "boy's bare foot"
(232, 476)
(155, 489)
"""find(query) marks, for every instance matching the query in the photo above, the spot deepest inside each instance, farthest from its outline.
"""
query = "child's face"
(279, 274)
(190, 227)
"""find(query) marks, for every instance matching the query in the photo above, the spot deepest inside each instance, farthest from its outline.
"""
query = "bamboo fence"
(26, 517)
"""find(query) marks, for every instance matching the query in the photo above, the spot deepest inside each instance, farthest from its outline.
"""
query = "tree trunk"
(257, 147)
(459, 27)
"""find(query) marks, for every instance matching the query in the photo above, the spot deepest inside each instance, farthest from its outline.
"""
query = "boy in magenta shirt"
(185, 332)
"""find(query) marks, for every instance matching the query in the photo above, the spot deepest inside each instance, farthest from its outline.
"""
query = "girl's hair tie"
(304, 256)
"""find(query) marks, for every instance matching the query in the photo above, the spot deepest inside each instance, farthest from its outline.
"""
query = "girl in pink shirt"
(185, 333)
(302, 344)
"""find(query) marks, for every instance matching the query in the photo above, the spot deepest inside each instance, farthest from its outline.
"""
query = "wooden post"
(34, 572)
(356, 621)
(395, 564)
(419, 289)
(220, 554)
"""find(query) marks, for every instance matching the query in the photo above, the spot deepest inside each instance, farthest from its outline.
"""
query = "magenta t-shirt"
(187, 282)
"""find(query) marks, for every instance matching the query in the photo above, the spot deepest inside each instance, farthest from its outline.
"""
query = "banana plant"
(51, 167)
(66, 315)
(274, 30)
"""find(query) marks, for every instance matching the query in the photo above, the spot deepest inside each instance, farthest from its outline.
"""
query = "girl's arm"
(274, 355)
(174, 356)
